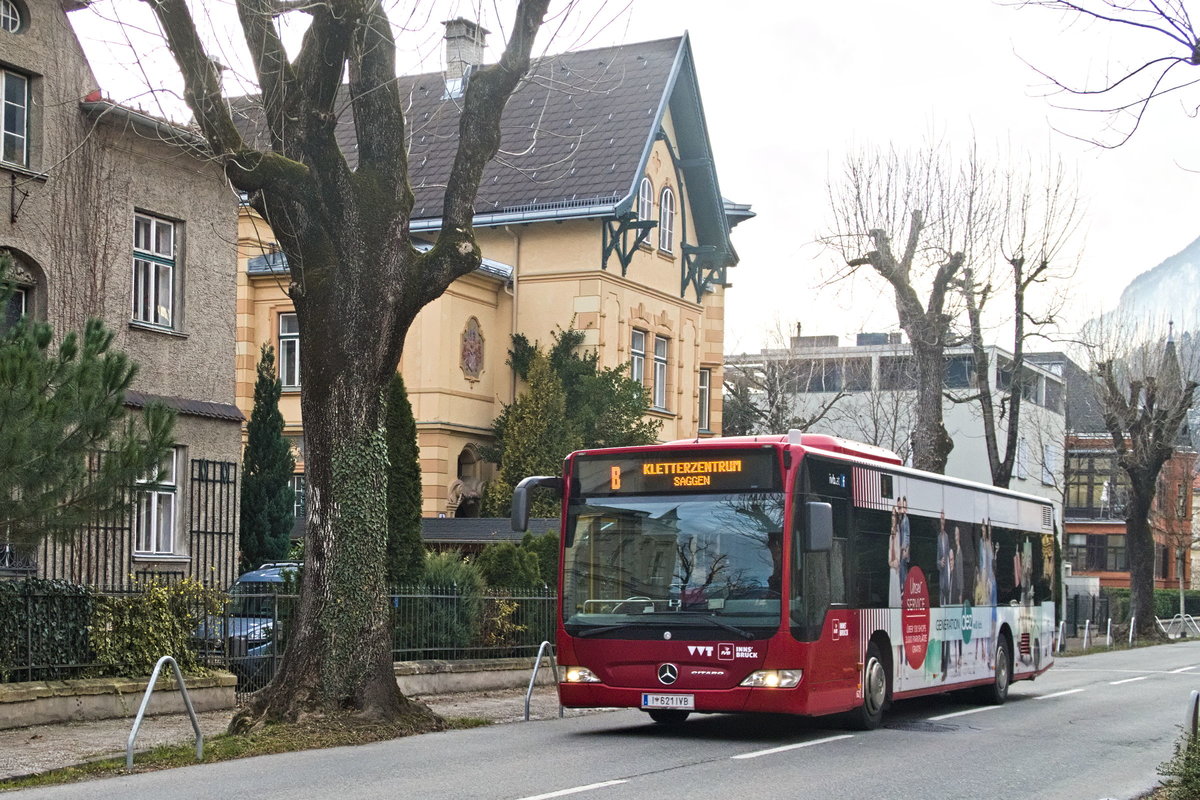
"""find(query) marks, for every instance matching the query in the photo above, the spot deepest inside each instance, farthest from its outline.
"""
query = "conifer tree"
(268, 500)
(69, 452)
(405, 554)
(537, 436)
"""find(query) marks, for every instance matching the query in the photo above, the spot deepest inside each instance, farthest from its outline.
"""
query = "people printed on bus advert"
(895, 578)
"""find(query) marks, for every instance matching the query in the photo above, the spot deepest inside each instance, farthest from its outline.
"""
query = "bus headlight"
(579, 675)
(774, 678)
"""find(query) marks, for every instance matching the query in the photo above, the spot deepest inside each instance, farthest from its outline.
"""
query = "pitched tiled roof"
(574, 131)
(478, 530)
(184, 405)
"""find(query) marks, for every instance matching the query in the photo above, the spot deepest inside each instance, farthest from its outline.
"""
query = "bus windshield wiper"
(742, 632)
(670, 616)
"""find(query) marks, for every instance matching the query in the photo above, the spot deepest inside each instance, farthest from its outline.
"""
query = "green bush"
(504, 565)
(1182, 771)
(448, 612)
(1166, 602)
(546, 548)
(44, 625)
(130, 632)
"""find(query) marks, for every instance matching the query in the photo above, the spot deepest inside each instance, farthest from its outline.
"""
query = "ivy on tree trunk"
(357, 283)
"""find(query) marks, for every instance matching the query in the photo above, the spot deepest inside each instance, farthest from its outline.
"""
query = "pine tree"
(69, 452)
(537, 436)
(268, 500)
(405, 552)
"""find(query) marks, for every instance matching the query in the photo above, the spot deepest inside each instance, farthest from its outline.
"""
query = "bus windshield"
(695, 563)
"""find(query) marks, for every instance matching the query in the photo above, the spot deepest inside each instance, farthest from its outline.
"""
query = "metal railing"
(187, 702)
(1180, 626)
(537, 665)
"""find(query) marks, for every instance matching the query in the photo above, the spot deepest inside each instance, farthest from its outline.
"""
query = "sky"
(791, 88)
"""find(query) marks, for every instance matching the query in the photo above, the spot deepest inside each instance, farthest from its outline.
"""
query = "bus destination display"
(722, 471)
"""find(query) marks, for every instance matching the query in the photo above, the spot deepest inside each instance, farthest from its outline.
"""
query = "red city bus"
(802, 574)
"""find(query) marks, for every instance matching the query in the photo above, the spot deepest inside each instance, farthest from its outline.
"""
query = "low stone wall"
(417, 678)
(50, 702)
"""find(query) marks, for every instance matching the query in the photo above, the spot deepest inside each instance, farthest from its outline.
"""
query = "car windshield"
(633, 565)
(253, 598)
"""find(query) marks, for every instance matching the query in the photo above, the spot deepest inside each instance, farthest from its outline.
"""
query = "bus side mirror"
(520, 501)
(818, 527)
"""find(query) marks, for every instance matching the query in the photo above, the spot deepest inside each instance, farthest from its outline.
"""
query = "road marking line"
(574, 790)
(1128, 680)
(1181, 669)
(960, 713)
(797, 746)
(1056, 694)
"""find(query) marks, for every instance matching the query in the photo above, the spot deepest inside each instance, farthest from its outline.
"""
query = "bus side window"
(871, 572)
(837, 573)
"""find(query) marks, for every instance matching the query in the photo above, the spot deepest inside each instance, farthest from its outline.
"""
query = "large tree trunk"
(1139, 544)
(931, 445)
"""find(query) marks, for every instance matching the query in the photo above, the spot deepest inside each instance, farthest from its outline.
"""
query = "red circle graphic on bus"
(915, 617)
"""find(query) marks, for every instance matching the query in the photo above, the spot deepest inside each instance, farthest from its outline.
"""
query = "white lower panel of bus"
(683, 702)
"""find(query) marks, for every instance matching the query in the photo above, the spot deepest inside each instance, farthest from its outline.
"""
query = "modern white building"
(866, 392)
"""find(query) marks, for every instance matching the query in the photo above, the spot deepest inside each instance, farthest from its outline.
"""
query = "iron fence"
(46, 635)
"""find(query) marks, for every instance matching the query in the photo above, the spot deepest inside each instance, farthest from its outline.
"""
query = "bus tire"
(666, 716)
(877, 688)
(996, 692)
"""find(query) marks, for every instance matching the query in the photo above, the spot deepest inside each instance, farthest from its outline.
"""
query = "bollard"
(1087, 630)
(1193, 714)
(1062, 636)
(1109, 634)
(1132, 625)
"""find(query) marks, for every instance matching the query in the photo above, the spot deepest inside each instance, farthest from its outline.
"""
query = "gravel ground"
(25, 751)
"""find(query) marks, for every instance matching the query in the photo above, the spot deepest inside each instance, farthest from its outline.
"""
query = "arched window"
(10, 16)
(666, 220)
(645, 206)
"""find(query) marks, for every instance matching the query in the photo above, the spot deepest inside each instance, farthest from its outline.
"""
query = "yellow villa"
(603, 211)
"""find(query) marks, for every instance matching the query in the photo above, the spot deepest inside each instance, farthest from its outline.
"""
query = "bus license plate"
(682, 701)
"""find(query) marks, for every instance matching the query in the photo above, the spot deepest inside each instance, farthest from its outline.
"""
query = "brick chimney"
(464, 47)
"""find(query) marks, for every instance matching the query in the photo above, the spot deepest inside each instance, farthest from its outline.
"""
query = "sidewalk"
(25, 751)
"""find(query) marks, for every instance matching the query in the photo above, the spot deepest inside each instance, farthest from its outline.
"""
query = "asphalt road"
(1093, 727)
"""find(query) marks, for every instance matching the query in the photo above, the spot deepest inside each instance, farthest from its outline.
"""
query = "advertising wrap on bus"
(719, 577)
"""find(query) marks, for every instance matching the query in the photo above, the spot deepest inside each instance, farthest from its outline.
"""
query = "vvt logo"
(700, 650)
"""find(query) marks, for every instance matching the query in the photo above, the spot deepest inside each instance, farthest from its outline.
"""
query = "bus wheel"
(665, 716)
(875, 684)
(997, 692)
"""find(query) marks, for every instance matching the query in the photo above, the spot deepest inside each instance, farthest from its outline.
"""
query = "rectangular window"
(298, 487)
(18, 305)
(705, 393)
(289, 351)
(1048, 464)
(660, 372)
(637, 357)
(153, 271)
(155, 509)
(14, 147)
(1021, 468)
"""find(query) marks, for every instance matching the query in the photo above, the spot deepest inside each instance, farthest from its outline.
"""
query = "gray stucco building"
(118, 215)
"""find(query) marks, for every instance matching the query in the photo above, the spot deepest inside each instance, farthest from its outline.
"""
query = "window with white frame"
(1022, 459)
(289, 351)
(153, 271)
(299, 484)
(1048, 464)
(154, 509)
(705, 392)
(660, 372)
(637, 357)
(10, 16)
(14, 149)
(666, 220)
(645, 207)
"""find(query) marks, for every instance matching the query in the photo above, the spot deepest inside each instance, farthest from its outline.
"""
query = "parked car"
(245, 633)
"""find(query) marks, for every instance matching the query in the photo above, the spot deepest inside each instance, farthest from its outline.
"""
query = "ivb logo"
(841, 629)
(725, 651)
(700, 650)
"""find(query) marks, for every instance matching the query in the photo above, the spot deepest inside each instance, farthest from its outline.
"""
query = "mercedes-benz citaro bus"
(800, 574)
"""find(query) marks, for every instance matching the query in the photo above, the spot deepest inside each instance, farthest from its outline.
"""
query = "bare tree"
(1145, 400)
(915, 219)
(357, 284)
(1036, 219)
(780, 388)
(1123, 99)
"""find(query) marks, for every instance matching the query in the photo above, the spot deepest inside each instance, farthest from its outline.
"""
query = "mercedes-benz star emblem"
(668, 674)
